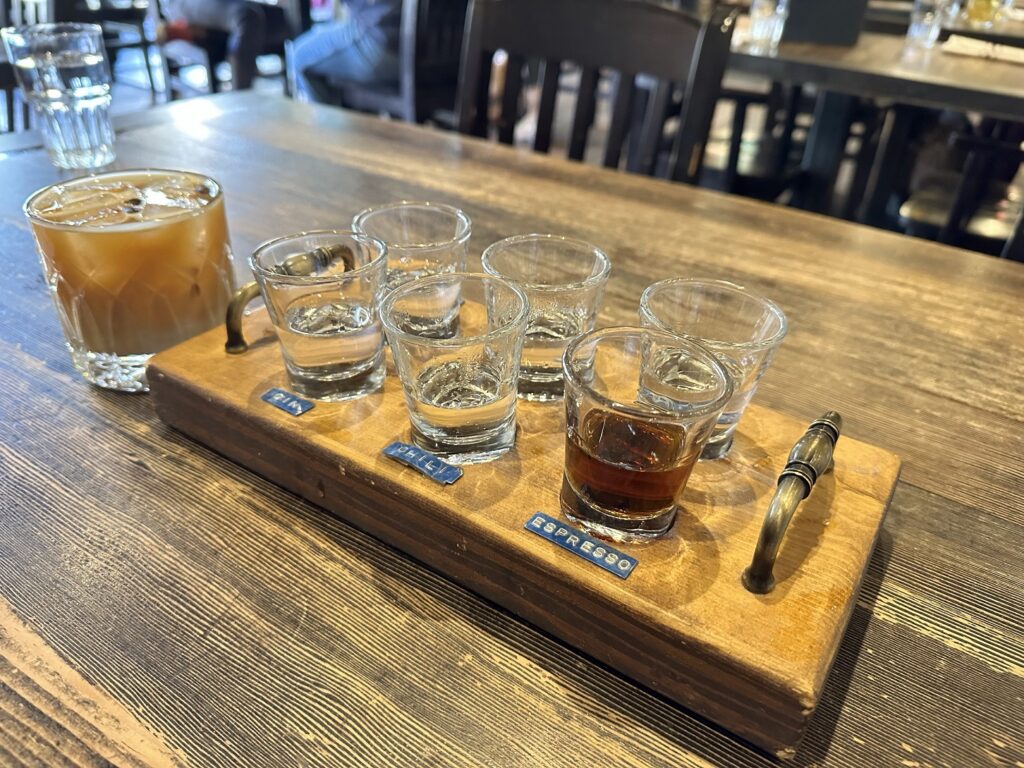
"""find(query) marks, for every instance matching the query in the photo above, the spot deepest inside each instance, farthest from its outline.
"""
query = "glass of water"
(767, 21)
(456, 340)
(564, 280)
(63, 71)
(740, 327)
(322, 290)
(926, 18)
(422, 238)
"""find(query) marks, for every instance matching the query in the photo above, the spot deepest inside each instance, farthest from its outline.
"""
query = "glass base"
(461, 448)
(81, 159)
(607, 525)
(540, 385)
(540, 392)
(337, 390)
(123, 373)
(717, 449)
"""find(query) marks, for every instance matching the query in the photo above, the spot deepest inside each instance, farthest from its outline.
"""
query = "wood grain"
(246, 627)
(682, 623)
(50, 716)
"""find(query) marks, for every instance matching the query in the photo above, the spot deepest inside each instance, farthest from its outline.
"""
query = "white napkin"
(959, 45)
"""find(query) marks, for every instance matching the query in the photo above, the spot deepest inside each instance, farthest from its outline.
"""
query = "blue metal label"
(286, 401)
(426, 463)
(576, 541)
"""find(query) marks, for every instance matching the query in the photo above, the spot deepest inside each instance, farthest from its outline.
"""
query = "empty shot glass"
(564, 280)
(639, 405)
(322, 290)
(741, 327)
(460, 389)
(422, 238)
(63, 72)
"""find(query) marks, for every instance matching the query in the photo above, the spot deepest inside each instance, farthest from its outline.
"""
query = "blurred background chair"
(974, 198)
(128, 26)
(600, 48)
(430, 47)
(16, 109)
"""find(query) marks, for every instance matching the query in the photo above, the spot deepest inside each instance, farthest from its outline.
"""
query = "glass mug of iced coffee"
(136, 261)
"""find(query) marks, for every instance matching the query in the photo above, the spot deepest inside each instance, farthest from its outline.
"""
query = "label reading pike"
(286, 401)
(580, 544)
(423, 462)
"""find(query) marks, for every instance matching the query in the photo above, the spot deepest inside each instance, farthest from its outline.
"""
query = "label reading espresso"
(426, 463)
(576, 541)
(286, 401)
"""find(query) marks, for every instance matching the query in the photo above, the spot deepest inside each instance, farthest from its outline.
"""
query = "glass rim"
(460, 341)
(628, 330)
(377, 262)
(465, 228)
(728, 287)
(602, 258)
(33, 216)
(53, 29)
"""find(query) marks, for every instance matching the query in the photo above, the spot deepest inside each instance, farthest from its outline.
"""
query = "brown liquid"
(627, 467)
(141, 284)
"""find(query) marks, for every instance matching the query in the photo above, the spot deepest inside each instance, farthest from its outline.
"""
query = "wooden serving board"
(681, 624)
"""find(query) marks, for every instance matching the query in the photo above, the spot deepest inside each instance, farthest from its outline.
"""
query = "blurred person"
(245, 24)
(360, 45)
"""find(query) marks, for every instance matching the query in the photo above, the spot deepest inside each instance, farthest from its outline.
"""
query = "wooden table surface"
(879, 67)
(161, 605)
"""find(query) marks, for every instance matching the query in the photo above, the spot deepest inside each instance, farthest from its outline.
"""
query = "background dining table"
(882, 68)
(161, 605)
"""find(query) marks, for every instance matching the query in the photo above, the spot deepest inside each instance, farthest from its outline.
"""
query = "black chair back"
(431, 49)
(15, 105)
(632, 38)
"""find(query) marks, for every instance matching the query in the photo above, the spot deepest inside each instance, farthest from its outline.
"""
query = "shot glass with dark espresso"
(640, 404)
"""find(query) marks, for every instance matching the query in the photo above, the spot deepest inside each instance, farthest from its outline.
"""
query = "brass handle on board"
(810, 458)
(236, 343)
(297, 265)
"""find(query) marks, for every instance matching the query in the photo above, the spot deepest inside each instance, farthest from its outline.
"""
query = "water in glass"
(63, 71)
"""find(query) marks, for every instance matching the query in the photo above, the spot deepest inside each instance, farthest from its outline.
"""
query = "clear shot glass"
(322, 290)
(422, 238)
(456, 341)
(640, 403)
(742, 328)
(564, 280)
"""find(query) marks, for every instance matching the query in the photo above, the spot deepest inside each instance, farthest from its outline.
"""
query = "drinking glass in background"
(564, 280)
(62, 70)
(740, 327)
(456, 340)
(982, 14)
(767, 21)
(322, 290)
(926, 19)
(640, 403)
(422, 238)
(136, 261)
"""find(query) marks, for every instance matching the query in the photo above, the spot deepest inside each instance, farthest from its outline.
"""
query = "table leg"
(826, 143)
(888, 164)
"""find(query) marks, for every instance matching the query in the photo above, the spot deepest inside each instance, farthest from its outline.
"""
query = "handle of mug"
(236, 343)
